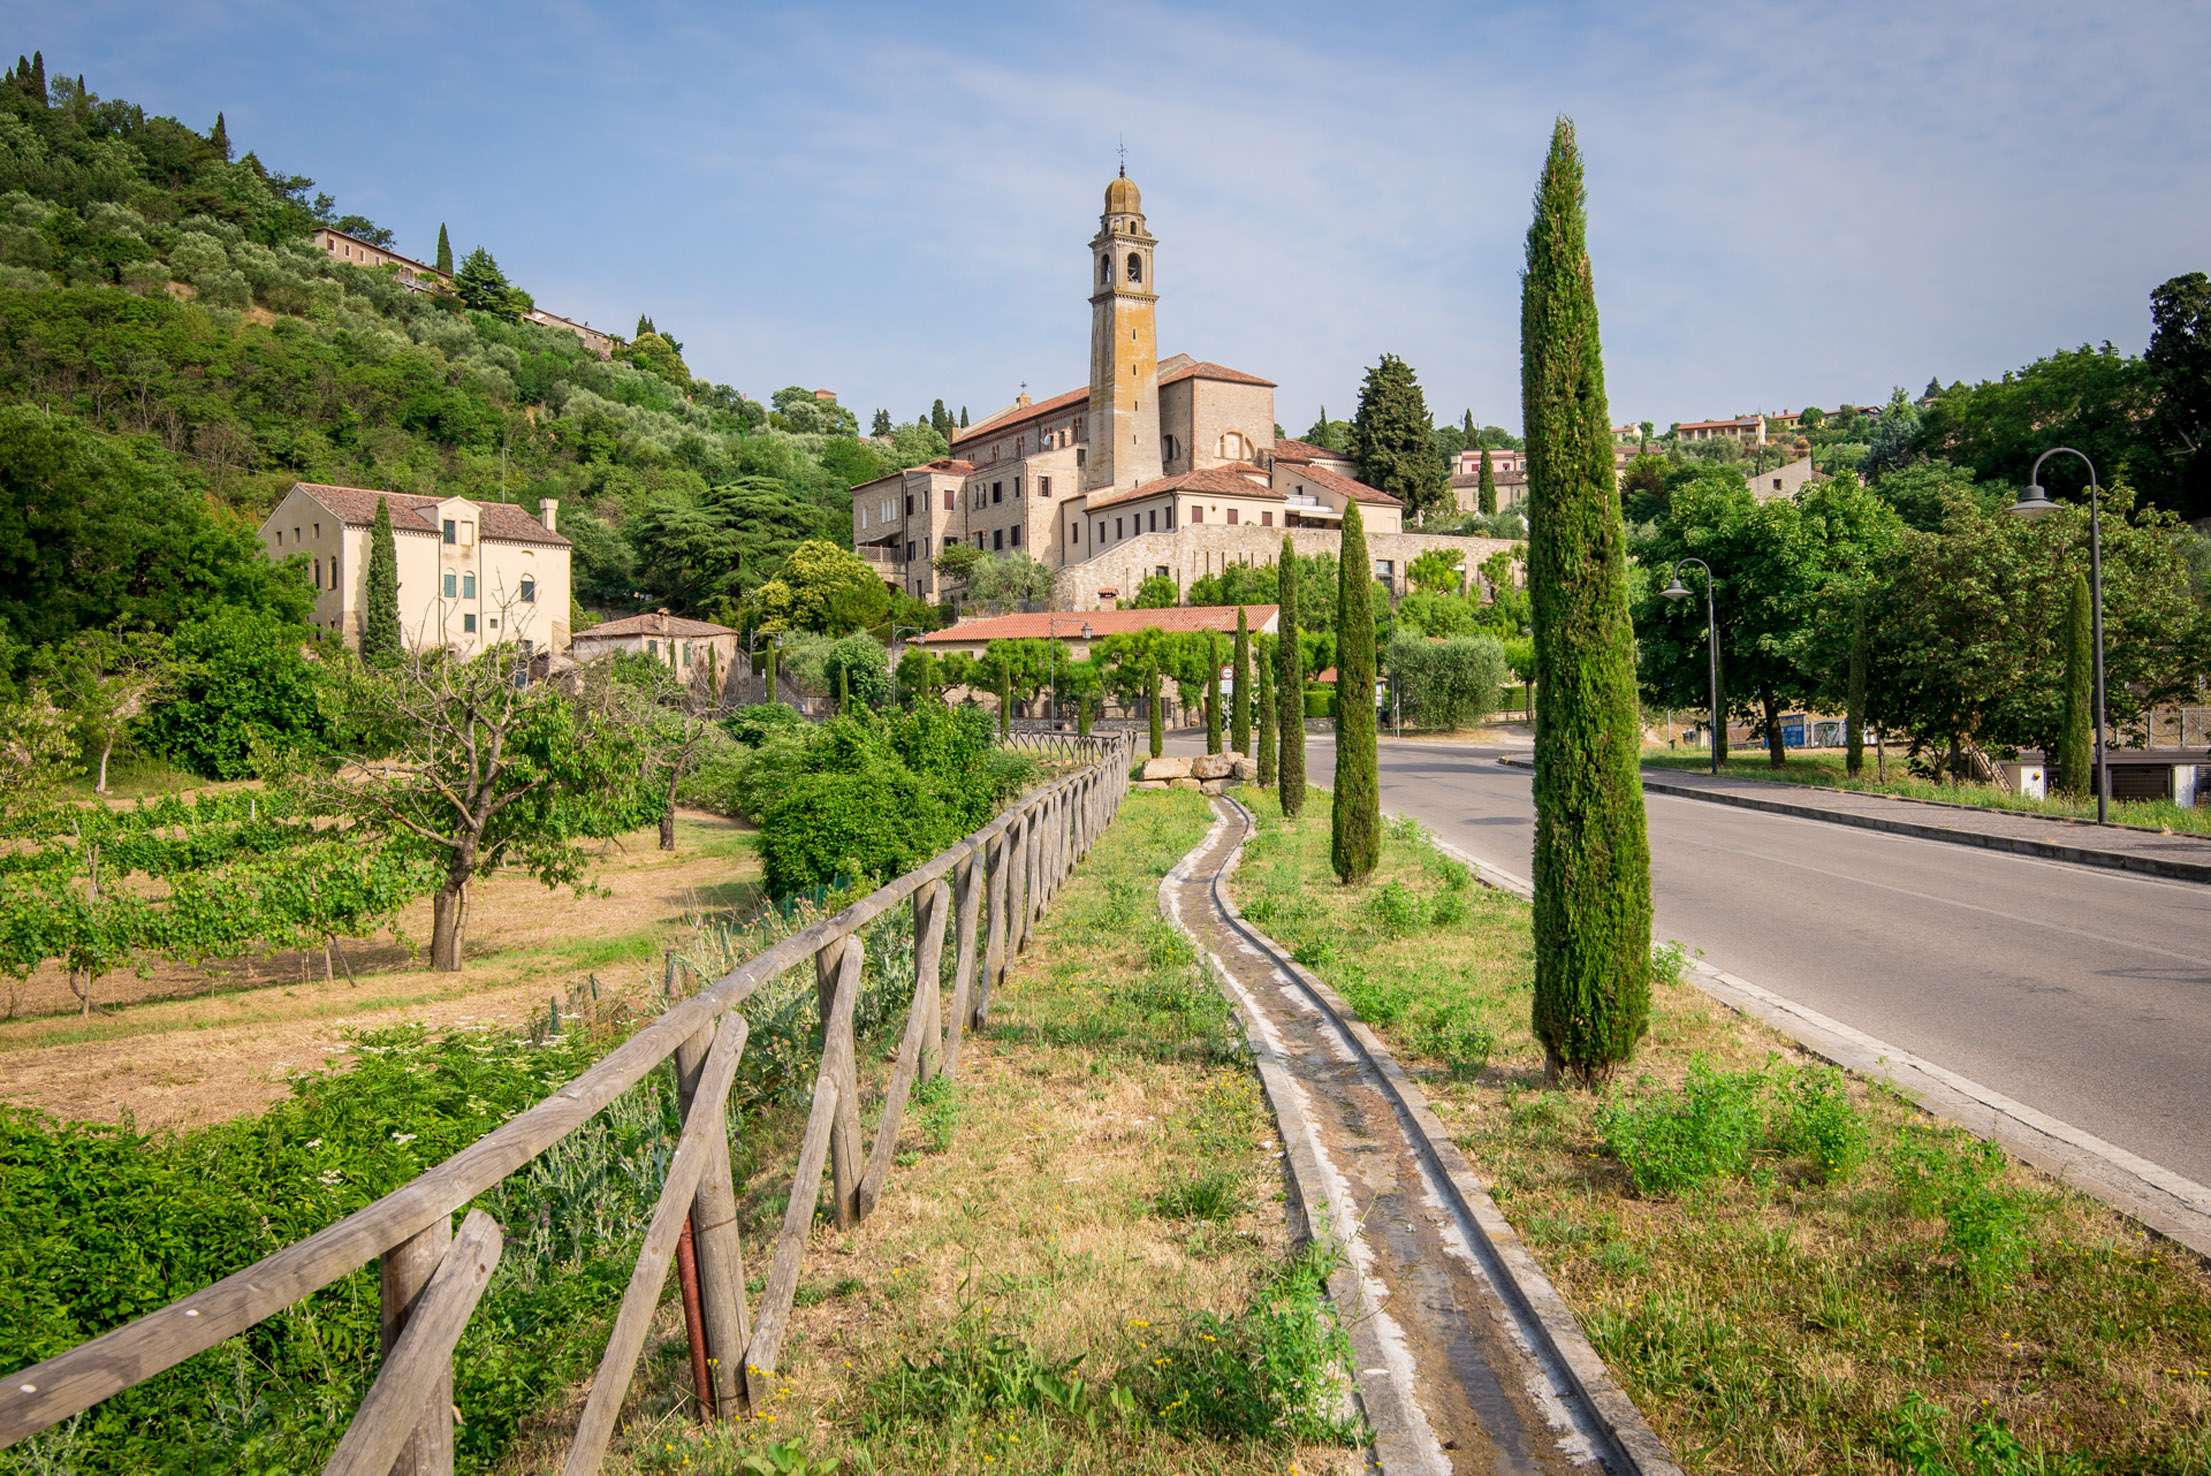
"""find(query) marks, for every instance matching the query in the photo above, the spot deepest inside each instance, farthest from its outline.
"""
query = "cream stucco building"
(471, 574)
(1169, 451)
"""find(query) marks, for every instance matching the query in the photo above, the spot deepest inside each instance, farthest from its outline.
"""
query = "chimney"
(548, 513)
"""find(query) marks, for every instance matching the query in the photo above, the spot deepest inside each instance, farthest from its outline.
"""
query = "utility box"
(2029, 781)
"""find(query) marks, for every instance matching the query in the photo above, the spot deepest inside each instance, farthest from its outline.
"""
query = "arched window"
(1169, 449)
(1136, 267)
(1105, 271)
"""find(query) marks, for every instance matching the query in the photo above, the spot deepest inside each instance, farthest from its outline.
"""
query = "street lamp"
(895, 629)
(1674, 591)
(2033, 503)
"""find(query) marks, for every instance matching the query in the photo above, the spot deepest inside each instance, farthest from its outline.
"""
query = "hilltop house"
(471, 574)
(356, 252)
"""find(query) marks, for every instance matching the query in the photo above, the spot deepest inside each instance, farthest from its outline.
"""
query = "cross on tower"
(1124, 156)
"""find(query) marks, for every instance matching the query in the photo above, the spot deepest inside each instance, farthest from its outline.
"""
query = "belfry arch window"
(1105, 271)
(1136, 267)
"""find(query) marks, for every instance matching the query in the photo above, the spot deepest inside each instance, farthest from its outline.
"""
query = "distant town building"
(701, 654)
(471, 574)
(1159, 466)
(600, 343)
(356, 252)
(1782, 481)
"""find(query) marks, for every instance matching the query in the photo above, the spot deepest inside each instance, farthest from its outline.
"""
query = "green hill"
(162, 313)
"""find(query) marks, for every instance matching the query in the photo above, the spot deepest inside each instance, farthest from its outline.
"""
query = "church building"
(1159, 466)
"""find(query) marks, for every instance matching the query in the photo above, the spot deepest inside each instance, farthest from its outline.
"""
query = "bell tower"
(1124, 346)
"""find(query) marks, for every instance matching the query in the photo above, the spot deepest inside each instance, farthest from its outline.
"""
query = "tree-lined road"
(2083, 993)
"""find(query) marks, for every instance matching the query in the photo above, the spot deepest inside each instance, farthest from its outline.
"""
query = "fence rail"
(988, 889)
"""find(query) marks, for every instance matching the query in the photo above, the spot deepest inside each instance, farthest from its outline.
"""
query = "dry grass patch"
(1076, 1248)
(1792, 1271)
(188, 1046)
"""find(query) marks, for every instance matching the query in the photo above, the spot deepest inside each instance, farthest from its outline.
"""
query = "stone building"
(471, 574)
(702, 654)
(356, 252)
(1158, 464)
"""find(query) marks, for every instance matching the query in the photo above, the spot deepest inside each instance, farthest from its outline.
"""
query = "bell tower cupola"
(1124, 346)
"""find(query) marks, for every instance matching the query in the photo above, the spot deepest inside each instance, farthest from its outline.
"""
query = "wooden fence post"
(932, 912)
(401, 1274)
(994, 958)
(418, 1363)
(973, 874)
(717, 1245)
(837, 971)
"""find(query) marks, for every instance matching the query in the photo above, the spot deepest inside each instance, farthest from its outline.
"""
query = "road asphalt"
(2083, 993)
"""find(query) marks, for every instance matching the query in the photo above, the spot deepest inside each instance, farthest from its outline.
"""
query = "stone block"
(1210, 766)
(1246, 770)
(1212, 786)
(1151, 784)
(1167, 768)
(1183, 784)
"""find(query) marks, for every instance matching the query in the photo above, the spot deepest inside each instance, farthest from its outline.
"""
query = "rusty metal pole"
(694, 1323)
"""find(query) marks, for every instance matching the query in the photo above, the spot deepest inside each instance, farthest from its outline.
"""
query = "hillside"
(160, 302)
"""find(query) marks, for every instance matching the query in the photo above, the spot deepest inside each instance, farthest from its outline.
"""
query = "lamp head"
(1086, 630)
(2032, 503)
(1674, 590)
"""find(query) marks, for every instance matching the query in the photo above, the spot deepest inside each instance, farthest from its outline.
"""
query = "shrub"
(1396, 908)
(1670, 1144)
(1462, 1041)
(832, 827)
(1320, 702)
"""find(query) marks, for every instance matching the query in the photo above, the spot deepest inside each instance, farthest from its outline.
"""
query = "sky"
(1789, 204)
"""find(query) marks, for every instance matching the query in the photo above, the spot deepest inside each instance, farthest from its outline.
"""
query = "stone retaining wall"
(1189, 554)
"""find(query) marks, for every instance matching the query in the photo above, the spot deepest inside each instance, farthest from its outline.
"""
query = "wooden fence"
(431, 1277)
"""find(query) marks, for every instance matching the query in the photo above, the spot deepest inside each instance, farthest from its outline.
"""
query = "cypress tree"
(844, 695)
(963, 417)
(1592, 854)
(1005, 698)
(1263, 669)
(1471, 437)
(1854, 702)
(1486, 489)
(1151, 709)
(1357, 813)
(767, 674)
(1394, 439)
(445, 250)
(1212, 694)
(1082, 716)
(2076, 746)
(380, 605)
(220, 138)
(1289, 685)
(1239, 698)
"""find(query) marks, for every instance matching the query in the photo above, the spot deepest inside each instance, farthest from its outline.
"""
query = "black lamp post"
(1675, 591)
(2033, 503)
(1051, 657)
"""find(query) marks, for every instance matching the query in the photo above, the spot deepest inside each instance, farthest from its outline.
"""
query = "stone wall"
(1189, 554)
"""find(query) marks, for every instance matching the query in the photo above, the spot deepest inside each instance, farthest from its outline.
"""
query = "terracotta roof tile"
(1291, 449)
(1345, 486)
(501, 521)
(1234, 479)
(1006, 420)
(1068, 624)
(1206, 369)
(658, 623)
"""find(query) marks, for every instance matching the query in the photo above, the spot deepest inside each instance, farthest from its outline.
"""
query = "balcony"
(888, 562)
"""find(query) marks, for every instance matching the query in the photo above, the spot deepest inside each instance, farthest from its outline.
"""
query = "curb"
(2172, 1206)
(1633, 1447)
(2189, 871)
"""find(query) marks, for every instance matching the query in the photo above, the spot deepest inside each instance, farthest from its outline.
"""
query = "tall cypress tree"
(1592, 854)
(1212, 694)
(1854, 702)
(380, 603)
(1289, 685)
(768, 682)
(1263, 669)
(445, 250)
(1486, 489)
(220, 137)
(1357, 813)
(1239, 697)
(2076, 747)
(1005, 698)
(1152, 711)
(1394, 439)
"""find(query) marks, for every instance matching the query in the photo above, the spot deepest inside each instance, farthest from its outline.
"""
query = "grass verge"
(1079, 1263)
(1826, 770)
(1790, 1270)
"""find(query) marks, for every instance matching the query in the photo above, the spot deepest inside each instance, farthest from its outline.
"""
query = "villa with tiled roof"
(471, 574)
(1158, 466)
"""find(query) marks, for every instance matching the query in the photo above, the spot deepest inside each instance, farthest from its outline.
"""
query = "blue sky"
(1789, 204)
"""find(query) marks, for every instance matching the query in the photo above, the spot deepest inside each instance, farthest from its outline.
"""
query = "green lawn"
(1791, 1271)
(1826, 769)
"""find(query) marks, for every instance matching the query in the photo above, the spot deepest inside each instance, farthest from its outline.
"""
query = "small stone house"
(701, 653)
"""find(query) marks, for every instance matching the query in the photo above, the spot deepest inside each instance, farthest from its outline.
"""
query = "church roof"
(1206, 369)
(1013, 415)
(1236, 479)
(1292, 450)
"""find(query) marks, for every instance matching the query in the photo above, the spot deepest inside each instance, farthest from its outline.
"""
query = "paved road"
(2081, 992)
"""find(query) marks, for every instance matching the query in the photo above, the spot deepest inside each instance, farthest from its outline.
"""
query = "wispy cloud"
(1787, 202)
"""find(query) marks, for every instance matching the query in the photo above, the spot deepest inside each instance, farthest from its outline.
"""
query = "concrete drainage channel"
(1468, 1359)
